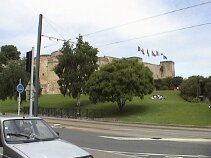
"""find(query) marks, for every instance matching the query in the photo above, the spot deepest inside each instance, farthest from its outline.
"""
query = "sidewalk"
(102, 124)
(133, 129)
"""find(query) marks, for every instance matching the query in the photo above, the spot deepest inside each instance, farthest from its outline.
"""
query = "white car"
(32, 137)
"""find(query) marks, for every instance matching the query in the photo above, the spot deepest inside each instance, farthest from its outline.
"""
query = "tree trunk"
(78, 103)
(121, 104)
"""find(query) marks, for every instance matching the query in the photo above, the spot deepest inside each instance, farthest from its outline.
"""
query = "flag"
(153, 54)
(157, 53)
(164, 57)
(139, 48)
(142, 50)
(147, 52)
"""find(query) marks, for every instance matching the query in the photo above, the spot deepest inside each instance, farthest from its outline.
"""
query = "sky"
(134, 23)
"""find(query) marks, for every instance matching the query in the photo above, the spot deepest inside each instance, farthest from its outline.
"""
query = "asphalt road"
(103, 143)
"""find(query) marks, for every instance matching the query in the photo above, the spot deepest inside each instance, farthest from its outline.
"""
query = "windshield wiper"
(23, 135)
(18, 135)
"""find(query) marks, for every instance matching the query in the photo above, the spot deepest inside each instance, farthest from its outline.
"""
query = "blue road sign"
(20, 88)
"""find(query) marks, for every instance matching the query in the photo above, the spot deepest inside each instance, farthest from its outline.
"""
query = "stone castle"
(48, 78)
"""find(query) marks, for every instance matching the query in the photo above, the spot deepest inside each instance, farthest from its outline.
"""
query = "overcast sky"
(190, 49)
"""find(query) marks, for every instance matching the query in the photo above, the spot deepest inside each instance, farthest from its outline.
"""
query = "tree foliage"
(9, 78)
(3, 61)
(11, 70)
(10, 52)
(74, 68)
(120, 81)
(168, 83)
(176, 81)
(190, 88)
(207, 88)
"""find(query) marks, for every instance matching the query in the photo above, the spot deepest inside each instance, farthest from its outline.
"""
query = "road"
(117, 140)
(97, 141)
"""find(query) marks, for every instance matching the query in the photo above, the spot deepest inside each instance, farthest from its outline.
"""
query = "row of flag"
(154, 53)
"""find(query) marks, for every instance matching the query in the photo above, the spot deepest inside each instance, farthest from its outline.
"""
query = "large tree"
(176, 81)
(12, 68)
(120, 81)
(191, 88)
(10, 52)
(74, 67)
(9, 78)
(3, 61)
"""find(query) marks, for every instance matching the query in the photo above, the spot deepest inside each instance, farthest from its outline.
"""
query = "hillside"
(172, 110)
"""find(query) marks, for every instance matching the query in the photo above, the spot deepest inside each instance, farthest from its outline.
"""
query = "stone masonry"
(48, 78)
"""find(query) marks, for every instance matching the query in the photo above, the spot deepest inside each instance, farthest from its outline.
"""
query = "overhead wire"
(135, 21)
(54, 28)
(147, 18)
(51, 37)
(156, 34)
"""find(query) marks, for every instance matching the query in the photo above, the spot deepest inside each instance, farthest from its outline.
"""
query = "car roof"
(14, 117)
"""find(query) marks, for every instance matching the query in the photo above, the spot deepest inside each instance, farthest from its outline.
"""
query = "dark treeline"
(194, 88)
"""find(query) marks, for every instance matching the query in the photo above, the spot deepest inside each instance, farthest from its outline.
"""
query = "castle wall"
(155, 69)
(48, 78)
(167, 69)
(43, 75)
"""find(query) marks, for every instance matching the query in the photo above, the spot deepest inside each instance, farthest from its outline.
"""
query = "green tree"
(9, 78)
(176, 81)
(190, 88)
(3, 61)
(168, 83)
(120, 81)
(74, 68)
(10, 52)
(207, 88)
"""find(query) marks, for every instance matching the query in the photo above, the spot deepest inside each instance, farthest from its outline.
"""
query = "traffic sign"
(20, 88)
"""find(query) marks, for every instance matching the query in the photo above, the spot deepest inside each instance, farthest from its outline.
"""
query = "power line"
(54, 28)
(147, 18)
(58, 39)
(156, 34)
(54, 38)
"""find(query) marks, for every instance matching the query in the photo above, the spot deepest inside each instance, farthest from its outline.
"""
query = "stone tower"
(167, 69)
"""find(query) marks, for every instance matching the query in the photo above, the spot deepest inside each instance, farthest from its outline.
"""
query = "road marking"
(144, 155)
(161, 139)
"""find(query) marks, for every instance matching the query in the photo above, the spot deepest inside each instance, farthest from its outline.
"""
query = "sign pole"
(31, 84)
(19, 99)
(20, 89)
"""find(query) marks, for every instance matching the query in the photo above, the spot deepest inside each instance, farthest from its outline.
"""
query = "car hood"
(49, 149)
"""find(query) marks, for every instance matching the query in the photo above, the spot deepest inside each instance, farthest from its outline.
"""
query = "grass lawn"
(172, 110)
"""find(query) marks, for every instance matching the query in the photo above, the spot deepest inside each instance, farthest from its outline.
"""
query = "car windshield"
(27, 130)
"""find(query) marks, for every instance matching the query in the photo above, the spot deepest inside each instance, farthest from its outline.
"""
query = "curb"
(74, 123)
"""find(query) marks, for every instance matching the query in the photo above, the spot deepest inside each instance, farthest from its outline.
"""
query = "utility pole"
(37, 87)
(32, 84)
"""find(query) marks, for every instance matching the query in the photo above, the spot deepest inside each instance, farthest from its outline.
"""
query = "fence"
(68, 112)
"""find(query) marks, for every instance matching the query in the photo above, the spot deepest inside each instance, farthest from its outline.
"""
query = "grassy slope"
(173, 110)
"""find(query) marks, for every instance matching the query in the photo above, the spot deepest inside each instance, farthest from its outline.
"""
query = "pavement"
(124, 129)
